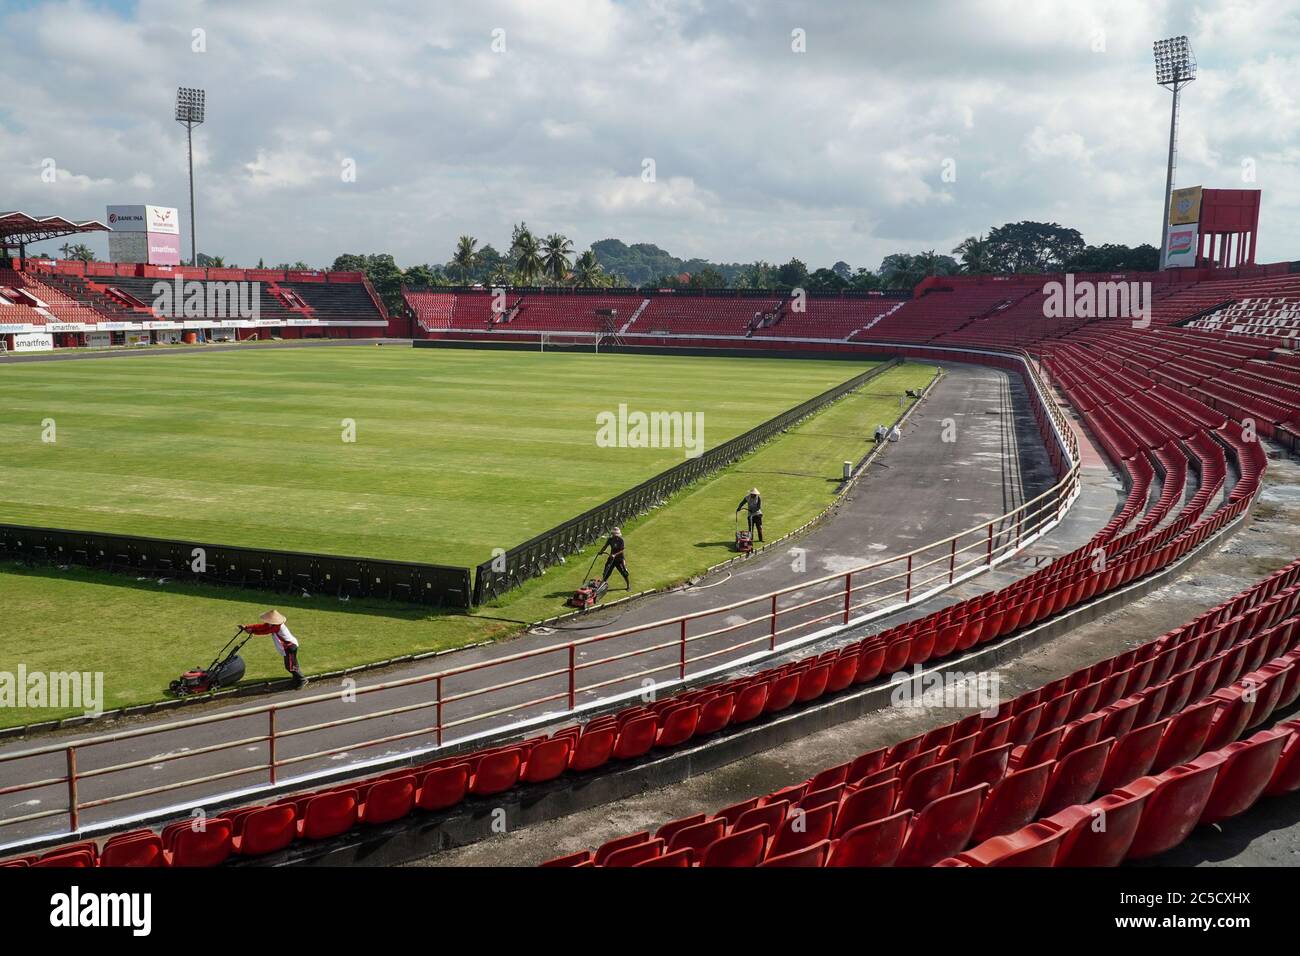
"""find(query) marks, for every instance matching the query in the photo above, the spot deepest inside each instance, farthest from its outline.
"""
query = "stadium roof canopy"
(18, 228)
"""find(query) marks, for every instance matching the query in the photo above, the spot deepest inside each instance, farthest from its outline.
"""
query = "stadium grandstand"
(79, 304)
(1021, 588)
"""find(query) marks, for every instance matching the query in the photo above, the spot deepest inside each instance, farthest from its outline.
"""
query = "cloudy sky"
(464, 116)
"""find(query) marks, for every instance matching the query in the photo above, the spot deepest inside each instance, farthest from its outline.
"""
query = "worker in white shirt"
(273, 623)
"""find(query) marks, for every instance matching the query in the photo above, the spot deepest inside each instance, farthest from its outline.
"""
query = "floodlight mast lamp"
(190, 111)
(1175, 68)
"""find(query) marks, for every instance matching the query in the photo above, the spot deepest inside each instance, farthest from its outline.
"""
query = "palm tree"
(976, 255)
(555, 259)
(587, 271)
(529, 263)
(465, 256)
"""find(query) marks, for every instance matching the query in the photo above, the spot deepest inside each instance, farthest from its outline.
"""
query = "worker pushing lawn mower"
(594, 588)
(274, 624)
(753, 505)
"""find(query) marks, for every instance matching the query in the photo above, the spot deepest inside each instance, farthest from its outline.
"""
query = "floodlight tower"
(190, 111)
(1175, 68)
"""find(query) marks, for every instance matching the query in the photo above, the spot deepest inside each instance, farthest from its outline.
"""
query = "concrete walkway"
(922, 489)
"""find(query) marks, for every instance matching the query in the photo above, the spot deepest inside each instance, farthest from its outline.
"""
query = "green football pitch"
(139, 421)
(420, 455)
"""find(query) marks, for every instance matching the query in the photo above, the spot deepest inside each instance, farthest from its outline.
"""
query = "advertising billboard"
(1185, 206)
(144, 234)
(143, 218)
(163, 250)
(1182, 247)
(33, 342)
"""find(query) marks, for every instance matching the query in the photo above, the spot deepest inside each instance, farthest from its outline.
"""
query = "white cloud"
(836, 153)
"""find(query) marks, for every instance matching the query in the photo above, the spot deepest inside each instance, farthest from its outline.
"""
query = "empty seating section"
(42, 295)
(58, 306)
(570, 313)
(719, 315)
(944, 310)
(330, 301)
(432, 310)
(1153, 741)
(836, 318)
(1274, 317)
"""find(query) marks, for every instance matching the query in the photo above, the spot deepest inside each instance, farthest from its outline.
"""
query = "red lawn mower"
(591, 592)
(744, 539)
(225, 670)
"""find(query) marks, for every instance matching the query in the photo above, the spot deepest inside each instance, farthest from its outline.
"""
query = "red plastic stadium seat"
(673, 827)
(943, 828)
(865, 806)
(1098, 834)
(76, 858)
(267, 830)
(388, 800)
(734, 812)
(872, 844)
(742, 848)
(207, 847)
(698, 836)
(678, 726)
(770, 815)
(1286, 778)
(987, 766)
(572, 859)
(750, 703)
(443, 787)
(927, 785)
(782, 693)
(813, 855)
(1244, 774)
(1185, 736)
(1034, 845)
(1175, 801)
(547, 760)
(1076, 776)
(636, 737)
(635, 855)
(329, 814)
(715, 713)
(1131, 757)
(801, 828)
(497, 772)
(139, 848)
(620, 843)
(593, 750)
(675, 859)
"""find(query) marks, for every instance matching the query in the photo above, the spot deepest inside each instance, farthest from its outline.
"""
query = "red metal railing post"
(909, 578)
(438, 714)
(952, 562)
(270, 742)
(771, 643)
(848, 592)
(72, 789)
(681, 666)
(990, 544)
(573, 676)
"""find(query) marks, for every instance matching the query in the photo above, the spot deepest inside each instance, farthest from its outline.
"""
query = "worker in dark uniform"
(754, 503)
(617, 560)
